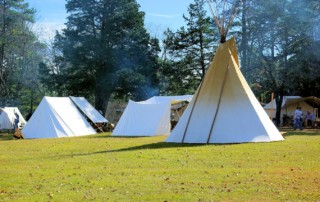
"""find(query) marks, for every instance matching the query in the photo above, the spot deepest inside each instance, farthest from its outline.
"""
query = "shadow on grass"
(124, 137)
(304, 132)
(158, 145)
(108, 135)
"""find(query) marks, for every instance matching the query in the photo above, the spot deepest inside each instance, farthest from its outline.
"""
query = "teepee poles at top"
(223, 12)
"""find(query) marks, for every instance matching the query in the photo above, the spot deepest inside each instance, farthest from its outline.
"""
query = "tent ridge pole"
(185, 130)
(219, 101)
(218, 105)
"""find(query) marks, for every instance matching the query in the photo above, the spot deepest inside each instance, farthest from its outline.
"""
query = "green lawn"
(105, 168)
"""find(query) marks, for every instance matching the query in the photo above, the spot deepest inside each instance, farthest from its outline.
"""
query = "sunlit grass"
(105, 168)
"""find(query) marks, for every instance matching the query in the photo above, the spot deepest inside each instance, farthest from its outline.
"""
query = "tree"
(188, 51)
(103, 42)
(306, 54)
(20, 52)
(270, 41)
(31, 91)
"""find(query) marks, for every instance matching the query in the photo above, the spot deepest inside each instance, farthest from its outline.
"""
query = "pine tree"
(105, 41)
(189, 51)
(19, 55)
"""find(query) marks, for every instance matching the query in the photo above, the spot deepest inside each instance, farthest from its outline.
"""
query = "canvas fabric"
(57, 117)
(144, 119)
(88, 110)
(224, 109)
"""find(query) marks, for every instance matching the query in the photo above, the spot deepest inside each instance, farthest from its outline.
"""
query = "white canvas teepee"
(224, 109)
(57, 117)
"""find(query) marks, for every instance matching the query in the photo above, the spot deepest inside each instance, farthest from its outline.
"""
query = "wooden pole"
(220, 95)
(271, 108)
(195, 101)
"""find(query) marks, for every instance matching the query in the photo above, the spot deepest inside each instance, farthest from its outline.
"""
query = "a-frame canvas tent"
(148, 118)
(224, 109)
(88, 110)
(7, 117)
(57, 117)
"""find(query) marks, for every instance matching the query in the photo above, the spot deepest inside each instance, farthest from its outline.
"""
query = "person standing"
(297, 118)
(16, 121)
(310, 119)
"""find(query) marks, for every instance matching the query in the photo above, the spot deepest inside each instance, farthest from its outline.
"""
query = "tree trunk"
(101, 101)
(2, 51)
(103, 90)
(203, 66)
(279, 99)
(31, 102)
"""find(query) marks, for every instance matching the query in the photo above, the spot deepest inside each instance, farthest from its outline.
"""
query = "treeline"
(105, 51)
(20, 55)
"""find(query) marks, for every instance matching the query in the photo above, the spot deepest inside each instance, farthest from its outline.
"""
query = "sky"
(160, 15)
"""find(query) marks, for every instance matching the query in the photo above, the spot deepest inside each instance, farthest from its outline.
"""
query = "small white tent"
(148, 118)
(7, 117)
(224, 109)
(144, 119)
(57, 117)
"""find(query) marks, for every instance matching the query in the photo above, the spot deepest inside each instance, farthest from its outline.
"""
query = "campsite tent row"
(7, 117)
(61, 117)
(223, 110)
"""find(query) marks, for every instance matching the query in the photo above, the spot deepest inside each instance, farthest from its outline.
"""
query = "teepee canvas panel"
(224, 109)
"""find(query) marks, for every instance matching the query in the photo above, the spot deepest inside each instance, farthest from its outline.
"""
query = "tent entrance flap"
(88, 110)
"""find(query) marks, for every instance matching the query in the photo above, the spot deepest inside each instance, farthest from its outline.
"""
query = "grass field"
(105, 168)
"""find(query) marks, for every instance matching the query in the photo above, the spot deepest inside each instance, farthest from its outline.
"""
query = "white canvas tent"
(88, 110)
(7, 117)
(144, 119)
(148, 118)
(289, 105)
(57, 117)
(224, 109)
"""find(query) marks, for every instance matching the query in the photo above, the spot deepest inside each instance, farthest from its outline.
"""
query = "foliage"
(102, 43)
(277, 49)
(188, 52)
(20, 54)
(105, 168)
(307, 63)
(271, 43)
